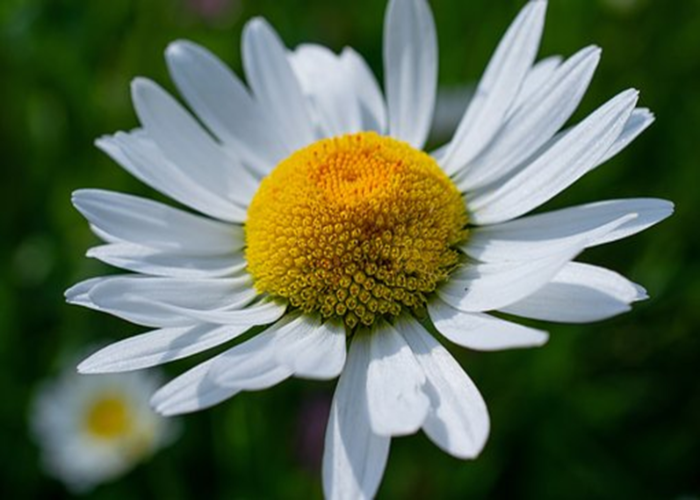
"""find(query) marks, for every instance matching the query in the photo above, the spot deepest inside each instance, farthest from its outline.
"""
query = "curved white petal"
(151, 224)
(141, 157)
(395, 399)
(79, 294)
(158, 263)
(410, 69)
(192, 391)
(371, 101)
(540, 73)
(275, 85)
(158, 347)
(251, 366)
(533, 123)
(498, 88)
(225, 106)
(482, 332)
(518, 239)
(354, 457)
(329, 89)
(188, 145)
(638, 122)
(562, 164)
(311, 348)
(458, 421)
(579, 293)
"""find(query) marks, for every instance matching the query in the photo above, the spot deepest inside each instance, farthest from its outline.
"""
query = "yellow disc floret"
(355, 227)
(108, 418)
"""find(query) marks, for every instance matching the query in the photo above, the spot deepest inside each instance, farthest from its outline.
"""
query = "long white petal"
(562, 164)
(194, 390)
(354, 457)
(518, 239)
(540, 73)
(482, 332)
(458, 421)
(410, 69)
(158, 263)
(141, 157)
(225, 106)
(372, 106)
(498, 88)
(311, 348)
(329, 89)
(395, 398)
(187, 144)
(535, 122)
(638, 122)
(151, 224)
(579, 293)
(275, 85)
(158, 347)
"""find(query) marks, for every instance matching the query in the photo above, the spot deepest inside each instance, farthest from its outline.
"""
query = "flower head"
(94, 429)
(322, 219)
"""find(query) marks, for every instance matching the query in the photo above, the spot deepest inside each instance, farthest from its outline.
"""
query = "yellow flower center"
(355, 227)
(108, 418)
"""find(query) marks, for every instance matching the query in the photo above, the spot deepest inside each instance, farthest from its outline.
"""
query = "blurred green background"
(609, 410)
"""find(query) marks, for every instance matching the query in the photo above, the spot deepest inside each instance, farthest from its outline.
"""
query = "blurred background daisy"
(94, 429)
(603, 411)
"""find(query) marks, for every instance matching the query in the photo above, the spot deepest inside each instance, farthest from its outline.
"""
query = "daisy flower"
(94, 429)
(323, 223)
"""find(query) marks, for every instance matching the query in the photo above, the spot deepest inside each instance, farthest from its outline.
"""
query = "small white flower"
(94, 429)
(322, 218)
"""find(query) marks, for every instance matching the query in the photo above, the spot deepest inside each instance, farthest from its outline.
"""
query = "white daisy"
(321, 217)
(94, 429)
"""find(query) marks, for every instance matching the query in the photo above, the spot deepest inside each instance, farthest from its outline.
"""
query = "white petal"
(498, 87)
(518, 239)
(458, 421)
(579, 293)
(395, 398)
(194, 390)
(637, 123)
(540, 73)
(485, 287)
(562, 164)
(482, 332)
(151, 224)
(535, 122)
(187, 144)
(158, 347)
(225, 106)
(157, 263)
(354, 458)
(251, 365)
(79, 294)
(410, 69)
(140, 156)
(310, 348)
(275, 85)
(166, 302)
(329, 89)
(369, 95)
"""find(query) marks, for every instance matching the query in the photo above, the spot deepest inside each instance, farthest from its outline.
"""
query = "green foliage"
(609, 410)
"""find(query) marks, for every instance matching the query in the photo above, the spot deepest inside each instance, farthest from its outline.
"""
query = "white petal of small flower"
(395, 399)
(458, 421)
(158, 347)
(354, 457)
(410, 69)
(482, 332)
(275, 85)
(225, 106)
(579, 293)
(498, 88)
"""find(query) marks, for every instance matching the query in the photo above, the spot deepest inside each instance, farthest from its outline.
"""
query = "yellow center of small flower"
(355, 227)
(108, 418)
